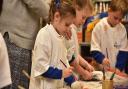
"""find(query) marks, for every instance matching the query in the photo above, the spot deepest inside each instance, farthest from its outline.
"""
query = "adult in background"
(5, 77)
(19, 24)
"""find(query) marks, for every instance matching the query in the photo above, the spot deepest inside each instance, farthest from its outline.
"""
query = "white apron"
(49, 49)
(72, 44)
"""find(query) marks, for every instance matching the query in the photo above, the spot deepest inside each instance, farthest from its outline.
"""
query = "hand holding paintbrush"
(67, 71)
(106, 62)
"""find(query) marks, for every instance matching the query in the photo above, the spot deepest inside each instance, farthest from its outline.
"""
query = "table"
(119, 82)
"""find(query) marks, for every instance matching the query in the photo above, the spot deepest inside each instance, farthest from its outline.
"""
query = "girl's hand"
(87, 75)
(106, 63)
(67, 72)
(89, 67)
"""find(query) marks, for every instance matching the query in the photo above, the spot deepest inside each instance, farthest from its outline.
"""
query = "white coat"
(72, 44)
(49, 49)
(5, 77)
(109, 40)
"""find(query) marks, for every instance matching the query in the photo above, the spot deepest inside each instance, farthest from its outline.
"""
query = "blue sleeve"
(126, 66)
(122, 57)
(98, 56)
(53, 73)
(69, 80)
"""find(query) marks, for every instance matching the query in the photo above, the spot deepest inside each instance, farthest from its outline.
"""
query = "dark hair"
(119, 5)
(64, 7)
(1, 3)
(84, 3)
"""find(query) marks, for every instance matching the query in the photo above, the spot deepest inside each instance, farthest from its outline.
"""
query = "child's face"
(63, 24)
(114, 17)
(81, 16)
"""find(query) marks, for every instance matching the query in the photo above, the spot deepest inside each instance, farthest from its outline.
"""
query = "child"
(109, 44)
(50, 66)
(83, 10)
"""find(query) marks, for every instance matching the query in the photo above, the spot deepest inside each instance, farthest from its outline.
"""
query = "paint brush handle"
(103, 73)
(111, 78)
(63, 63)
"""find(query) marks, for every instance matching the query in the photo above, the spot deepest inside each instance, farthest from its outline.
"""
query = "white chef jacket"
(109, 40)
(5, 77)
(72, 44)
(49, 49)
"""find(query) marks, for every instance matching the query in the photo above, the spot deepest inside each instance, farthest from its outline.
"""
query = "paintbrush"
(103, 73)
(67, 67)
(107, 56)
(107, 53)
(63, 63)
(112, 76)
